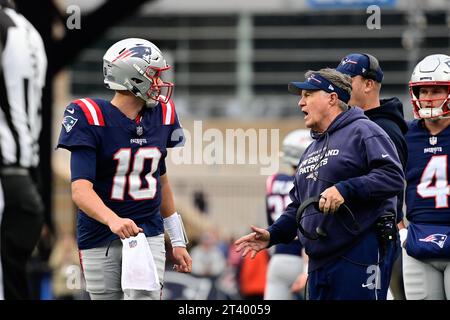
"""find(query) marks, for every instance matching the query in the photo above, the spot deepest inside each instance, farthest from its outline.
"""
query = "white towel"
(138, 267)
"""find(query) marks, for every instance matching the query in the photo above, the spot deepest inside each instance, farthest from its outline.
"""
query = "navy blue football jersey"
(278, 187)
(130, 158)
(427, 175)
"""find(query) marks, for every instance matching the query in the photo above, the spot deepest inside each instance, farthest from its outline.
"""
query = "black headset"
(320, 231)
(374, 65)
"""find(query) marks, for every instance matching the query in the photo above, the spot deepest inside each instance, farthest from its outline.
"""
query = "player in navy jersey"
(426, 258)
(119, 180)
(286, 264)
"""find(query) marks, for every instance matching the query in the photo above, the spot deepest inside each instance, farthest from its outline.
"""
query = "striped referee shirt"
(22, 78)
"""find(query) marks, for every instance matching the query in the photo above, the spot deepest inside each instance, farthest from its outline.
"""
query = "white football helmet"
(294, 145)
(433, 70)
(136, 65)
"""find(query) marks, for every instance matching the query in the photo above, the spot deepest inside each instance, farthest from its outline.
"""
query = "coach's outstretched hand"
(253, 242)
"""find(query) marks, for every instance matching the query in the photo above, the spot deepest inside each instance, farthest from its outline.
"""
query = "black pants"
(20, 231)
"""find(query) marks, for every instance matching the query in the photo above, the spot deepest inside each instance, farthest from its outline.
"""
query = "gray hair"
(340, 80)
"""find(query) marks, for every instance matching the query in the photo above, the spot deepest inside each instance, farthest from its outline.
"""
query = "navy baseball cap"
(317, 82)
(361, 64)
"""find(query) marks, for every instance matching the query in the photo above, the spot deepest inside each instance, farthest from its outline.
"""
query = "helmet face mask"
(136, 65)
(435, 108)
(433, 71)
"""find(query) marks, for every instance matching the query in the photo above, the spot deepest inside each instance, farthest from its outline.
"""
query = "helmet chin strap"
(151, 103)
(430, 112)
(152, 100)
(434, 113)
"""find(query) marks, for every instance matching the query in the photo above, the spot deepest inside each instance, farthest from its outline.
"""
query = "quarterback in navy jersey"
(426, 241)
(287, 270)
(119, 180)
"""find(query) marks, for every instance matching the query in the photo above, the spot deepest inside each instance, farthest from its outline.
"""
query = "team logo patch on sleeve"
(69, 122)
(437, 238)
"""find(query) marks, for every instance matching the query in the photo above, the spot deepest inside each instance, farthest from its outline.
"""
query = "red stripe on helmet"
(121, 55)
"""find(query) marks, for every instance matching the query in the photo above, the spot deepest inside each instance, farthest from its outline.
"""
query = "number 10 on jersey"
(125, 159)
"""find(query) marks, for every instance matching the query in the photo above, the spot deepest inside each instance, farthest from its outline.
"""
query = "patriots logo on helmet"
(138, 51)
(68, 123)
(437, 238)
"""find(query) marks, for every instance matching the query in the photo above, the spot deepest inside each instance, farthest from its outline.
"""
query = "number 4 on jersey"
(436, 170)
